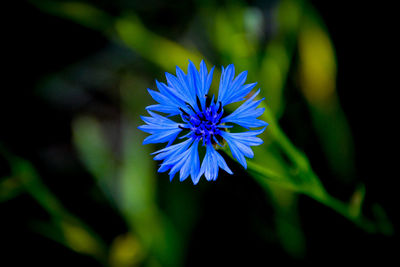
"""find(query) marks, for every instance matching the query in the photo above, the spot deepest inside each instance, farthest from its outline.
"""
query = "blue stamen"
(205, 123)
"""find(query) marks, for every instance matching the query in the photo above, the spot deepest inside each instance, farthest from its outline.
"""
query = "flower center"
(205, 124)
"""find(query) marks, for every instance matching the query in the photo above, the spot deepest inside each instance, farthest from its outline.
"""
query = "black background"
(38, 44)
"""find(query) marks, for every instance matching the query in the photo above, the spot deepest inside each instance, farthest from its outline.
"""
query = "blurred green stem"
(310, 185)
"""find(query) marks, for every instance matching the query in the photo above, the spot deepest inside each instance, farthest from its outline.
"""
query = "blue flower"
(203, 122)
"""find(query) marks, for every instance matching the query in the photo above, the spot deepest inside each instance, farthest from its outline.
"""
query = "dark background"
(40, 44)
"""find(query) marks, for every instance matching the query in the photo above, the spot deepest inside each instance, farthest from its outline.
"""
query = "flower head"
(203, 122)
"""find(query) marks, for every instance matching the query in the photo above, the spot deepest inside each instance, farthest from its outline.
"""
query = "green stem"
(344, 209)
(314, 189)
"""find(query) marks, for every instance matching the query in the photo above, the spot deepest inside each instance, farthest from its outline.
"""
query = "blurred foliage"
(126, 174)
(317, 73)
(63, 227)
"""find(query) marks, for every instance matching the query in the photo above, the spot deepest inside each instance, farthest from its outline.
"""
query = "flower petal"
(187, 163)
(161, 129)
(211, 163)
(246, 115)
(239, 144)
(233, 90)
(224, 83)
(180, 85)
(192, 163)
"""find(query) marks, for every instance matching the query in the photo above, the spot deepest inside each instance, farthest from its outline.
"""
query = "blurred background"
(78, 187)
